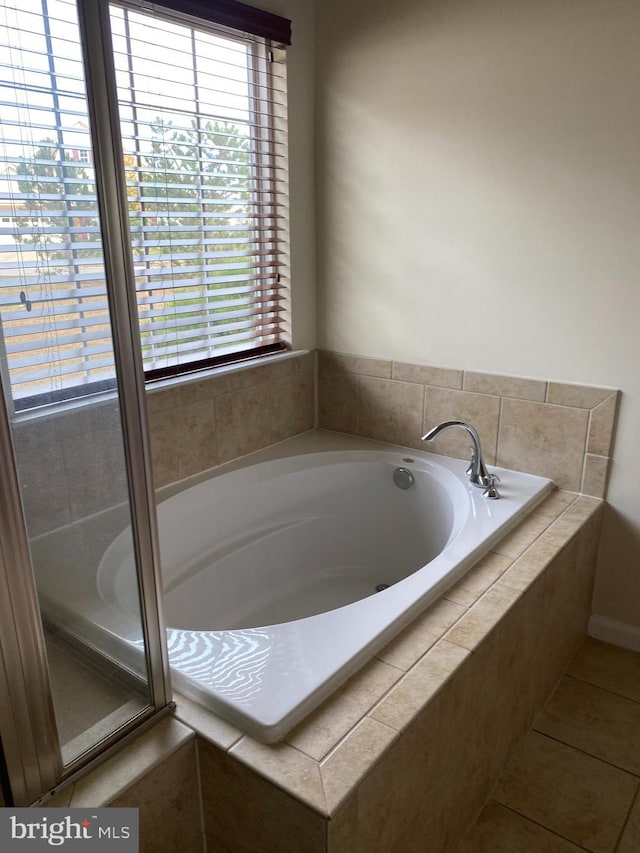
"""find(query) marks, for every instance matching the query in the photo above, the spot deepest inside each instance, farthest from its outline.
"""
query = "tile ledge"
(205, 723)
(120, 771)
(286, 767)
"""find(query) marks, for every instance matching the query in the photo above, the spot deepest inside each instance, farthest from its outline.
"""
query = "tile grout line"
(370, 768)
(499, 429)
(583, 473)
(200, 797)
(541, 825)
(600, 687)
(366, 714)
(582, 751)
(635, 801)
(626, 820)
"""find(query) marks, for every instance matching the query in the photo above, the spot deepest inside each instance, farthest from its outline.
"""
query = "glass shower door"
(76, 416)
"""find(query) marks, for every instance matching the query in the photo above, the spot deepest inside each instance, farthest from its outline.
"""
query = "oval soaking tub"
(283, 577)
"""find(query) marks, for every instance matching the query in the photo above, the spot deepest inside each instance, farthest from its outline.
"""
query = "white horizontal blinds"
(53, 304)
(202, 128)
(204, 135)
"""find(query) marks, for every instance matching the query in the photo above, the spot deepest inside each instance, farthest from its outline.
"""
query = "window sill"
(203, 375)
(57, 409)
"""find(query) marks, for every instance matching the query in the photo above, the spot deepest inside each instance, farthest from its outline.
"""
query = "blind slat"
(203, 127)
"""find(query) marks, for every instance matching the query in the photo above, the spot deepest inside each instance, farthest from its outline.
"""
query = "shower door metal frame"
(95, 33)
(27, 718)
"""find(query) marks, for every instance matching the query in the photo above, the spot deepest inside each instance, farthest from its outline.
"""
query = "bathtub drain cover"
(403, 478)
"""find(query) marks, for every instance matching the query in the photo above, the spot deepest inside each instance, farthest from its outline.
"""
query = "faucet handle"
(491, 493)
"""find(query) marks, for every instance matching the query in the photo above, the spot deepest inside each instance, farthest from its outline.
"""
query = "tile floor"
(574, 782)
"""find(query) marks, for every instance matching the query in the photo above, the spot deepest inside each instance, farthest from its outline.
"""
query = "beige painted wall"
(479, 204)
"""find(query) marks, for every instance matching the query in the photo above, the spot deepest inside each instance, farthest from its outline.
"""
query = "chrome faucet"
(478, 474)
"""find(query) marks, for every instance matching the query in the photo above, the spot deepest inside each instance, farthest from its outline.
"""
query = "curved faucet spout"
(478, 474)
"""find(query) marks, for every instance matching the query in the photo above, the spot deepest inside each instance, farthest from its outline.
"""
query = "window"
(202, 108)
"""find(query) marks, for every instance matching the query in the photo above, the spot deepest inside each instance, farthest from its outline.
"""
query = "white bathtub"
(270, 571)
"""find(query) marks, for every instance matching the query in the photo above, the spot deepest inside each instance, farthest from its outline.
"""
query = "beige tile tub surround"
(70, 464)
(71, 461)
(158, 774)
(245, 813)
(481, 410)
(199, 424)
(566, 434)
(169, 805)
(127, 767)
(553, 429)
(403, 756)
(389, 410)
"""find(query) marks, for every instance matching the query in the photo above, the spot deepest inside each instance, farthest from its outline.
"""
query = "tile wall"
(197, 425)
(71, 463)
(553, 429)
(156, 773)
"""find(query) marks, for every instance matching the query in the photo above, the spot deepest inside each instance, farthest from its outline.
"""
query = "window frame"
(219, 14)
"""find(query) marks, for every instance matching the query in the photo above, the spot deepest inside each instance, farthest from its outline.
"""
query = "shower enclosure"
(74, 454)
